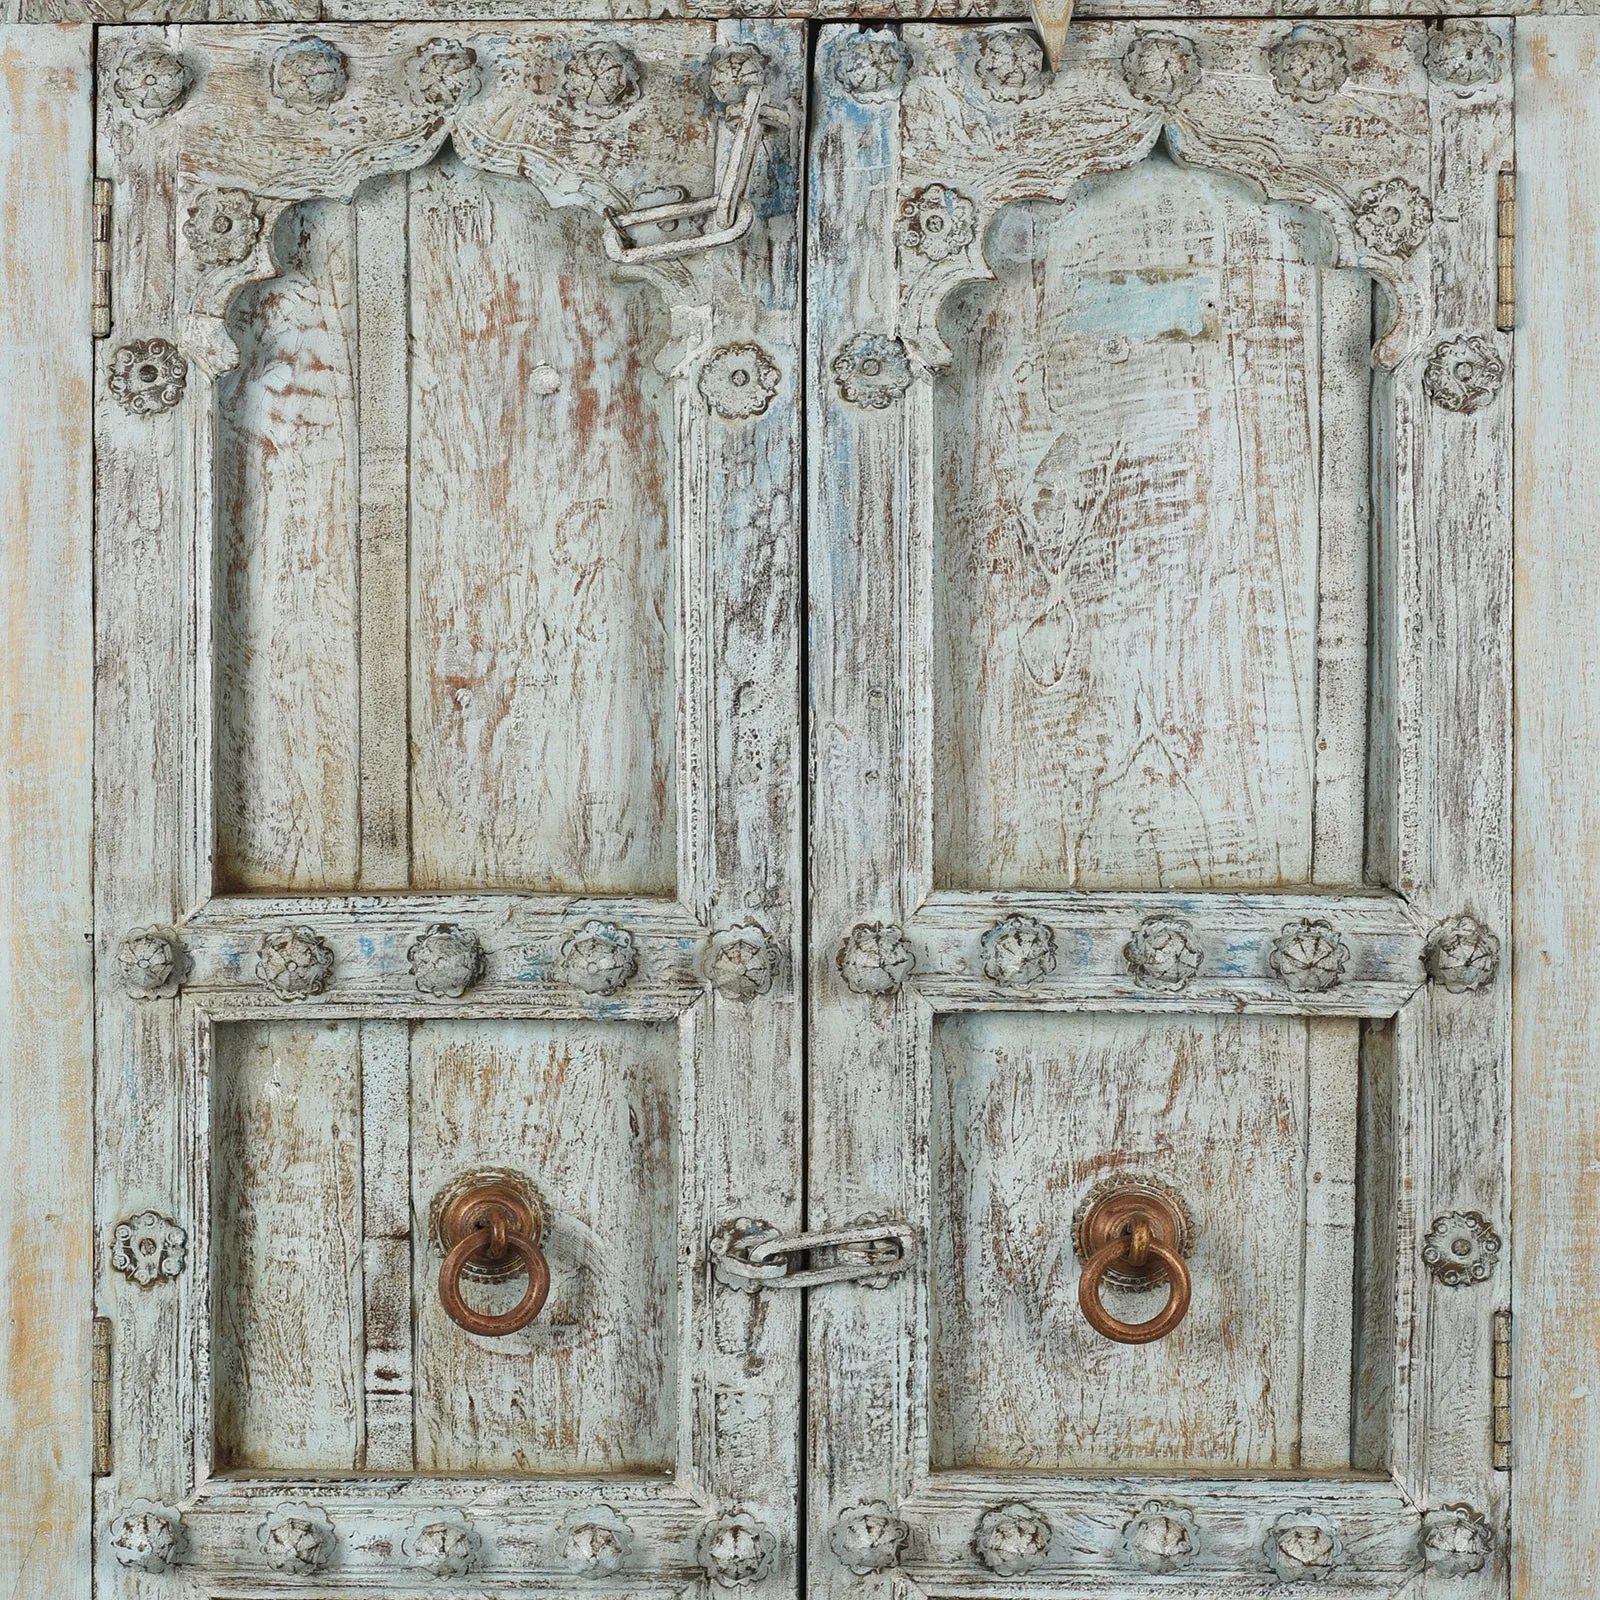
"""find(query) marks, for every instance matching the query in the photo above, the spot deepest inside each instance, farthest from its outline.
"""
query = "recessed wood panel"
(1128, 531)
(1029, 1112)
(541, 590)
(286, 1240)
(588, 1112)
(287, 574)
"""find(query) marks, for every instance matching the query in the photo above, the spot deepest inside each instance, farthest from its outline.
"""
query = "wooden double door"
(806, 653)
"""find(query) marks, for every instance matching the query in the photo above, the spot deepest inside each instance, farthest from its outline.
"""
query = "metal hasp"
(1133, 1232)
(752, 1255)
(489, 1223)
(729, 209)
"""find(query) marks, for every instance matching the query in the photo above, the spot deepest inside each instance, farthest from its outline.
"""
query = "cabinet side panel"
(1556, 1157)
(46, 678)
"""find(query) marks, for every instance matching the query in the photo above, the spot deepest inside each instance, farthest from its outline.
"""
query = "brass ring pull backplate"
(489, 1223)
(1134, 1232)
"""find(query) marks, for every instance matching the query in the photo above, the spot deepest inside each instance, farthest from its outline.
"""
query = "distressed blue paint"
(1141, 305)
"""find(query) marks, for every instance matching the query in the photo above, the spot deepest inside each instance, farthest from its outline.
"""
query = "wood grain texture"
(1028, 1114)
(541, 586)
(46, 822)
(590, 1113)
(1556, 1167)
(287, 1347)
(289, 468)
(1126, 579)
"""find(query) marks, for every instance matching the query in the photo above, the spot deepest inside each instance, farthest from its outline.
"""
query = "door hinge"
(1505, 290)
(752, 1255)
(100, 289)
(100, 1385)
(1500, 1437)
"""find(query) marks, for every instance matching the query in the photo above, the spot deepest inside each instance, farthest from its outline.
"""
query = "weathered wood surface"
(147, 11)
(652, 1105)
(1400, 170)
(46, 821)
(1556, 1161)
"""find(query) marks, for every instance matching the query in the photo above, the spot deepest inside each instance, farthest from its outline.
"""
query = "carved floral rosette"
(148, 376)
(742, 961)
(868, 1538)
(296, 1539)
(876, 958)
(871, 66)
(1012, 1539)
(223, 227)
(1461, 954)
(1308, 956)
(147, 1247)
(446, 961)
(294, 963)
(1011, 64)
(152, 963)
(1465, 53)
(1463, 374)
(872, 371)
(739, 380)
(1393, 217)
(736, 1549)
(1303, 1548)
(446, 1545)
(936, 222)
(151, 81)
(1456, 1541)
(443, 74)
(1461, 1248)
(1309, 63)
(1020, 950)
(147, 1537)
(733, 71)
(602, 79)
(309, 75)
(1161, 68)
(599, 958)
(1162, 1538)
(1162, 953)
(595, 1540)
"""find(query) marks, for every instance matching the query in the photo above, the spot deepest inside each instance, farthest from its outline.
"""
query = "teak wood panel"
(46, 815)
(943, 160)
(339, 467)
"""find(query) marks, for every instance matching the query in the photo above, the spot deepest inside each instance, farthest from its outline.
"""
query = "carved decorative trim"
(1012, 1539)
(1463, 52)
(1162, 1538)
(599, 958)
(876, 958)
(603, 79)
(148, 376)
(1308, 956)
(1308, 64)
(443, 73)
(151, 81)
(1393, 217)
(294, 963)
(742, 962)
(152, 964)
(1461, 1248)
(868, 1538)
(223, 226)
(871, 66)
(735, 1549)
(936, 222)
(147, 1536)
(1010, 65)
(1019, 950)
(1303, 1548)
(1161, 68)
(1456, 1541)
(147, 1247)
(872, 370)
(1461, 954)
(446, 1546)
(1463, 374)
(309, 75)
(446, 961)
(595, 1541)
(1163, 954)
(734, 70)
(738, 381)
(296, 1539)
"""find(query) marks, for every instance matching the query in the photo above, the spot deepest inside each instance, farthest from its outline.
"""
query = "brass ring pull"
(489, 1225)
(1136, 1231)
(1121, 1251)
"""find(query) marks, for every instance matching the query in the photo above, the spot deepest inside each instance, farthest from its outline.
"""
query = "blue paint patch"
(366, 945)
(1141, 306)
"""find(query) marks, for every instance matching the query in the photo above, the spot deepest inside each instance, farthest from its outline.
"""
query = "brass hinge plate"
(100, 1384)
(1505, 289)
(100, 290)
(1500, 1436)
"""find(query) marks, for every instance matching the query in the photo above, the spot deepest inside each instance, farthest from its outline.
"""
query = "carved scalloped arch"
(1253, 162)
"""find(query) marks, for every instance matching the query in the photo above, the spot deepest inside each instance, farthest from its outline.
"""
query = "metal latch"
(729, 209)
(751, 1255)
